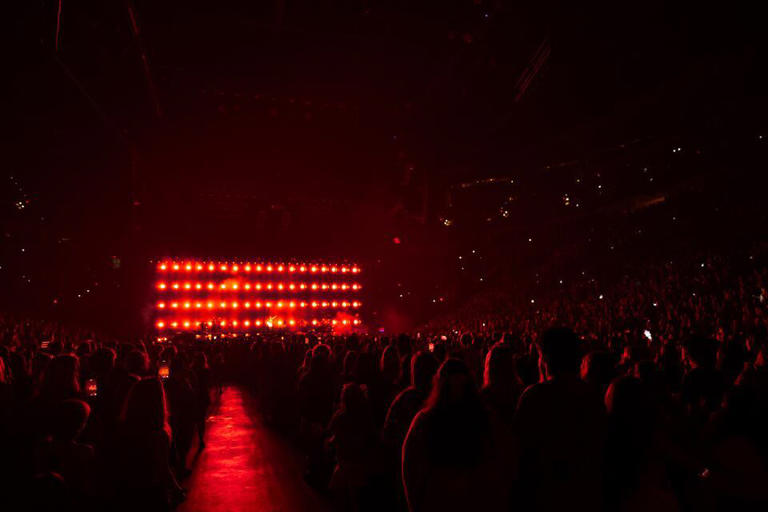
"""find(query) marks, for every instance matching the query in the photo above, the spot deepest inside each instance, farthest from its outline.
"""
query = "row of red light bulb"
(247, 267)
(258, 305)
(162, 286)
(278, 322)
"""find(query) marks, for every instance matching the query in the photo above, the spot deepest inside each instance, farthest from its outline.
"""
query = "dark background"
(344, 130)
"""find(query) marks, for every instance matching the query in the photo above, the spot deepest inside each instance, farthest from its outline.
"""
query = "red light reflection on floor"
(245, 466)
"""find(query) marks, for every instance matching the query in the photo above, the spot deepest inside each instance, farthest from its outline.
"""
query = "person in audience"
(448, 453)
(142, 450)
(560, 423)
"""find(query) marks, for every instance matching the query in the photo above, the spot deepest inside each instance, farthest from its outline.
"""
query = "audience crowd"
(648, 394)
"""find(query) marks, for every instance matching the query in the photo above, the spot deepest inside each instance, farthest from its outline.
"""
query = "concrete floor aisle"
(245, 466)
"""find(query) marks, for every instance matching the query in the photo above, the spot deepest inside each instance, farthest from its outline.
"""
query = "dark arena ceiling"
(327, 129)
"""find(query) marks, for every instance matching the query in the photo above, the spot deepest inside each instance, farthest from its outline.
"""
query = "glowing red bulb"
(188, 268)
(291, 322)
(187, 286)
(187, 324)
(247, 286)
(187, 305)
(247, 305)
(198, 305)
(291, 269)
(175, 286)
(235, 268)
(279, 268)
(222, 305)
(291, 304)
(314, 322)
(198, 286)
(247, 323)
(160, 325)
(313, 268)
(223, 268)
(235, 286)
(198, 267)
(258, 305)
(323, 269)
(174, 324)
(257, 323)
(291, 286)
(258, 268)
(234, 305)
(175, 267)
(209, 305)
(314, 304)
(314, 286)
(174, 305)
(325, 304)
(161, 305)
(247, 268)
(303, 304)
(280, 286)
(334, 269)
(163, 267)
(211, 267)
(258, 286)
(269, 268)
(210, 286)
(303, 286)
(302, 268)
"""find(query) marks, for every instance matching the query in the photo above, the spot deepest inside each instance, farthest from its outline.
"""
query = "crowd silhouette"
(652, 397)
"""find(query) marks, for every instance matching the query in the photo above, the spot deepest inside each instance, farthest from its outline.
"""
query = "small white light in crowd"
(561, 281)
(655, 304)
(530, 240)
(532, 301)
(601, 296)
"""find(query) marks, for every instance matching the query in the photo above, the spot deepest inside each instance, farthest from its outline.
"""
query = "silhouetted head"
(69, 419)
(559, 352)
(453, 386)
(102, 362)
(354, 398)
(629, 404)
(456, 420)
(389, 365)
(137, 362)
(321, 355)
(61, 377)
(597, 368)
(350, 358)
(700, 352)
(145, 409)
(500, 369)
(423, 369)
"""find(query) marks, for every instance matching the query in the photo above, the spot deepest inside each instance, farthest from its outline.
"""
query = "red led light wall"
(199, 296)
